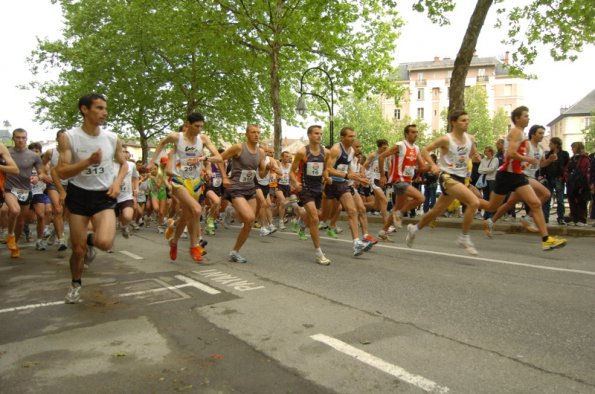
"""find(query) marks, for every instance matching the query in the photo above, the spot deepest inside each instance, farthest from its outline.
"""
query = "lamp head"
(301, 106)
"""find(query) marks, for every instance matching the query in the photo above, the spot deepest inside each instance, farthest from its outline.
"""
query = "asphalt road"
(513, 319)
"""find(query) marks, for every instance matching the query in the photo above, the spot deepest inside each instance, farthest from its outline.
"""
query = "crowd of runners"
(189, 188)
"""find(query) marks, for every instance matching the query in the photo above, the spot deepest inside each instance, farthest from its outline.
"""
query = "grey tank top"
(243, 170)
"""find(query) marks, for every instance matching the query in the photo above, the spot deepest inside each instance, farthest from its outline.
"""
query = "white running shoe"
(465, 243)
(391, 229)
(264, 231)
(235, 257)
(359, 247)
(397, 219)
(272, 228)
(126, 232)
(322, 260)
(488, 227)
(338, 230)
(410, 235)
(383, 235)
(73, 296)
(62, 245)
(40, 245)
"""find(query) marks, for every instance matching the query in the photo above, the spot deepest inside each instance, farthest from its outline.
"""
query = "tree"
(500, 123)
(563, 25)
(589, 133)
(365, 116)
(480, 123)
(284, 37)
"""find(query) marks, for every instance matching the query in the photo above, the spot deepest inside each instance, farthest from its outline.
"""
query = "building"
(427, 87)
(569, 125)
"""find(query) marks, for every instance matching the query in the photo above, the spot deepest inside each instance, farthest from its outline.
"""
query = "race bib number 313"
(93, 171)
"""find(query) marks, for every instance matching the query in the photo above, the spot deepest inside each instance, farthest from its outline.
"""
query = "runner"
(56, 192)
(263, 208)
(510, 177)
(40, 202)
(407, 161)
(536, 133)
(283, 188)
(86, 159)
(456, 148)
(246, 158)
(307, 183)
(214, 193)
(357, 167)
(7, 166)
(337, 166)
(127, 196)
(141, 199)
(374, 174)
(187, 183)
(18, 188)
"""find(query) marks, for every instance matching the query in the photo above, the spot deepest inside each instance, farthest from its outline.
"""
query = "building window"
(587, 122)
(420, 76)
(397, 114)
(420, 113)
(508, 89)
(481, 72)
(420, 94)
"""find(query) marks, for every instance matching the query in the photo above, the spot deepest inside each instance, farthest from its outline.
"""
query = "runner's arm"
(425, 152)
(170, 139)
(10, 167)
(119, 158)
(216, 156)
(299, 156)
(262, 167)
(387, 153)
(330, 161)
(369, 160)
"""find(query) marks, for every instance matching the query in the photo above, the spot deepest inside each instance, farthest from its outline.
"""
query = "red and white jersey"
(513, 165)
(404, 162)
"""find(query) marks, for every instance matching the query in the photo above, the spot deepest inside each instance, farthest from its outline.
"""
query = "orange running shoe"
(11, 242)
(371, 239)
(173, 251)
(196, 253)
(15, 253)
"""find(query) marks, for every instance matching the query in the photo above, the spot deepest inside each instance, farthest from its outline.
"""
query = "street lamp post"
(301, 104)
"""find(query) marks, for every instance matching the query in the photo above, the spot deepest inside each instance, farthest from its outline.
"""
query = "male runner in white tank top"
(187, 183)
(456, 148)
(57, 195)
(87, 155)
(372, 166)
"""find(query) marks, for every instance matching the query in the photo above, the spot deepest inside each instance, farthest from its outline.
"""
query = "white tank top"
(531, 169)
(185, 152)
(284, 179)
(374, 169)
(98, 176)
(456, 160)
(126, 187)
(267, 178)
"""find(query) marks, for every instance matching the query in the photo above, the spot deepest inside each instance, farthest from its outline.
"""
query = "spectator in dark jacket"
(553, 174)
(592, 185)
(430, 186)
(577, 178)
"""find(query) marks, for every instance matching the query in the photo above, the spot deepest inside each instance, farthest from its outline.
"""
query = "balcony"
(421, 82)
(482, 78)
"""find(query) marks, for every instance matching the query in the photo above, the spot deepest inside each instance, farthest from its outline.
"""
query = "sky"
(558, 84)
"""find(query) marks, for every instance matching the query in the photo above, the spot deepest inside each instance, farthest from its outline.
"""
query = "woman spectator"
(577, 176)
(488, 168)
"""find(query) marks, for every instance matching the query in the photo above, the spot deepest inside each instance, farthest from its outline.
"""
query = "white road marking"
(6, 268)
(378, 363)
(129, 254)
(460, 256)
(188, 283)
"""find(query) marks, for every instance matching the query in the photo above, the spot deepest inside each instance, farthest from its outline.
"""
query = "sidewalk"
(507, 227)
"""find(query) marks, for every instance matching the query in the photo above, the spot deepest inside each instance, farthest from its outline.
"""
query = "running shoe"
(391, 229)
(465, 243)
(11, 242)
(332, 233)
(528, 224)
(302, 234)
(256, 225)
(553, 243)
(294, 226)
(62, 245)
(272, 228)
(235, 257)
(322, 226)
(282, 226)
(383, 235)
(397, 219)
(126, 232)
(90, 255)
(410, 235)
(322, 260)
(15, 253)
(203, 243)
(134, 226)
(488, 227)
(264, 231)
(40, 245)
(370, 239)
(580, 224)
(160, 229)
(196, 253)
(368, 245)
(338, 230)
(359, 247)
(73, 296)
(173, 251)
(211, 225)
(50, 237)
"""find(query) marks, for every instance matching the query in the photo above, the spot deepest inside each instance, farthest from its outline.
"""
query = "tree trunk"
(144, 145)
(275, 83)
(456, 96)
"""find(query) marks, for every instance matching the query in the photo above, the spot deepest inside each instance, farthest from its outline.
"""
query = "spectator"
(430, 186)
(488, 168)
(577, 176)
(592, 185)
(553, 174)
(500, 151)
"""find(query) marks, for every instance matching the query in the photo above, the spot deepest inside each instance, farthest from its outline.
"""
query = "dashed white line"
(129, 254)
(378, 363)
(31, 306)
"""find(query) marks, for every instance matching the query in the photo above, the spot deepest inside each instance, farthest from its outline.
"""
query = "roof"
(446, 63)
(583, 107)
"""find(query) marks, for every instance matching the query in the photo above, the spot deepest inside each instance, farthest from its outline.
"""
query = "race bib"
(284, 179)
(343, 167)
(409, 171)
(189, 171)
(217, 180)
(461, 162)
(94, 170)
(21, 194)
(124, 188)
(314, 168)
(247, 176)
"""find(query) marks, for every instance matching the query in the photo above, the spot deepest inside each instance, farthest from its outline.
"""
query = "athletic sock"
(319, 252)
